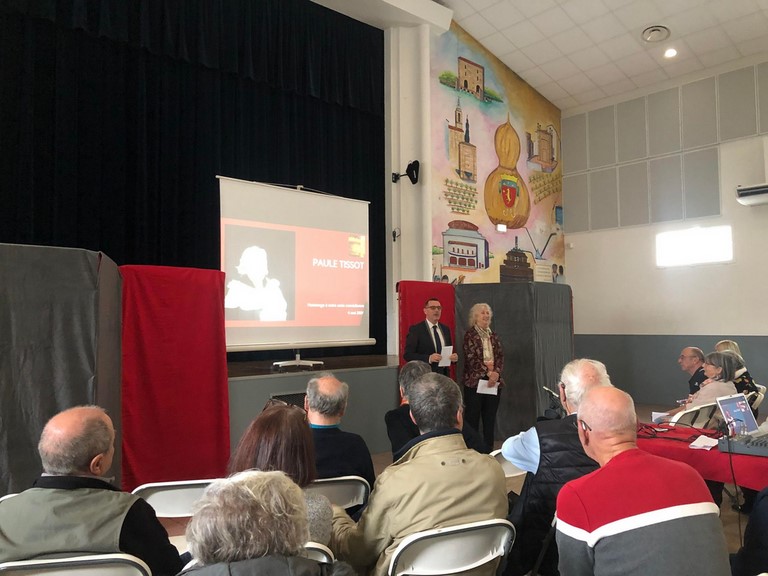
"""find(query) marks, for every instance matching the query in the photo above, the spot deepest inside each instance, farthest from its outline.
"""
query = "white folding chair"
(451, 550)
(93, 565)
(698, 417)
(318, 552)
(758, 398)
(344, 491)
(172, 499)
(510, 470)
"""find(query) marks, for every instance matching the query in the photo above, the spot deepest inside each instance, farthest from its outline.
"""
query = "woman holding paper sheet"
(483, 364)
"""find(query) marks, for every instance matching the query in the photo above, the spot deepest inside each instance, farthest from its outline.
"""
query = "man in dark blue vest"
(552, 455)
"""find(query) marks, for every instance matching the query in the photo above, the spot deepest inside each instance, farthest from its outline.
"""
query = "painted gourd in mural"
(506, 195)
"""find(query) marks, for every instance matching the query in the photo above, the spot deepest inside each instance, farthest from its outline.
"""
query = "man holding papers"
(430, 341)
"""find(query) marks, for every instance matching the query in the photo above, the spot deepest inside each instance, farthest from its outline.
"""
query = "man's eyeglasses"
(585, 426)
(683, 356)
(433, 307)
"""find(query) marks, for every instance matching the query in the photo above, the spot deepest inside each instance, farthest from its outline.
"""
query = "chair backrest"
(344, 491)
(93, 565)
(510, 470)
(11, 495)
(453, 549)
(758, 397)
(172, 499)
(318, 552)
(698, 417)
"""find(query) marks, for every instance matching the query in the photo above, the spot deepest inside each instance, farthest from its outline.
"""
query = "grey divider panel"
(576, 203)
(666, 187)
(633, 194)
(645, 366)
(664, 122)
(60, 320)
(762, 90)
(699, 113)
(738, 113)
(574, 143)
(535, 324)
(373, 391)
(601, 137)
(603, 199)
(701, 175)
(630, 120)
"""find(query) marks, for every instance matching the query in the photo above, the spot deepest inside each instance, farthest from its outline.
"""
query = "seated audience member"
(552, 455)
(637, 513)
(253, 523)
(691, 360)
(438, 482)
(280, 439)
(742, 380)
(72, 509)
(752, 558)
(337, 453)
(401, 428)
(720, 368)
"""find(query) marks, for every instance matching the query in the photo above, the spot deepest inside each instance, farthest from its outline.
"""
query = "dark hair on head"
(410, 372)
(726, 361)
(435, 400)
(278, 439)
(428, 300)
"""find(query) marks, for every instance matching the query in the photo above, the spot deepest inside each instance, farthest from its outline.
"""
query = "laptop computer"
(737, 414)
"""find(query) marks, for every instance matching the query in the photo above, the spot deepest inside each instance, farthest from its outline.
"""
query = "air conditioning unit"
(752, 195)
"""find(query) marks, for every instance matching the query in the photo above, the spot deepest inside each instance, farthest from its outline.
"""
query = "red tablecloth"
(749, 471)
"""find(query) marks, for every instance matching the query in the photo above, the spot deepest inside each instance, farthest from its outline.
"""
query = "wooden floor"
(733, 522)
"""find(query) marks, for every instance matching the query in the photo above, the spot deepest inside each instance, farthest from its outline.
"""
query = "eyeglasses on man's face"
(584, 426)
(433, 307)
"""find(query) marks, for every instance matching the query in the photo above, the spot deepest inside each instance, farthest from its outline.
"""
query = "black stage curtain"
(115, 118)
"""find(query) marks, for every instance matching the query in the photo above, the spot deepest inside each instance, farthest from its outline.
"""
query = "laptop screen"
(736, 411)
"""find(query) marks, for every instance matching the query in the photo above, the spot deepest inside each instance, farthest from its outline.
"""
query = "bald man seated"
(72, 509)
(638, 513)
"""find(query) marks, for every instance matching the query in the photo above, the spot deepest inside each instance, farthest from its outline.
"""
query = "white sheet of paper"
(657, 416)
(445, 356)
(483, 388)
(703, 443)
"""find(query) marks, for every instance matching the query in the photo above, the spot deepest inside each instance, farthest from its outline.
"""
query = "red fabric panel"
(412, 295)
(750, 471)
(175, 389)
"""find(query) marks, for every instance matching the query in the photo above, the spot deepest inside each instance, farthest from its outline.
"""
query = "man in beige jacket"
(438, 482)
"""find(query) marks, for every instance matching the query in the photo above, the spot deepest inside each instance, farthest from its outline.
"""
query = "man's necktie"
(438, 344)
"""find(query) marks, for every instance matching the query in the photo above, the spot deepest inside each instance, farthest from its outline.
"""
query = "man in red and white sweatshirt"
(638, 513)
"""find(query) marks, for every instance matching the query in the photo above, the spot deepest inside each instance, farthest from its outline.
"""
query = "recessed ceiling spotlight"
(670, 53)
(657, 33)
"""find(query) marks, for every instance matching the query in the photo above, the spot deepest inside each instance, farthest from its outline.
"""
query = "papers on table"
(445, 356)
(657, 417)
(703, 443)
(484, 388)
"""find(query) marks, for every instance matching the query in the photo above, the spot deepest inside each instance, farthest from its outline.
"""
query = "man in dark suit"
(426, 339)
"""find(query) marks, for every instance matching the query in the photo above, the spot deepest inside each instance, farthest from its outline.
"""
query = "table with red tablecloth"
(748, 471)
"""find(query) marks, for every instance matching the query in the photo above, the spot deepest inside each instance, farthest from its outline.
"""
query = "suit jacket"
(419, 344)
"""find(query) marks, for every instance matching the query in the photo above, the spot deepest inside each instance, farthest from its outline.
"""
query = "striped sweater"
(640, 514)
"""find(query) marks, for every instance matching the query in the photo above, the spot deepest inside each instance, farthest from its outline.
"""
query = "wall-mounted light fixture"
(412, 171)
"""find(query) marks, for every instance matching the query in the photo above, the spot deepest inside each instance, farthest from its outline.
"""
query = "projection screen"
(297, 267)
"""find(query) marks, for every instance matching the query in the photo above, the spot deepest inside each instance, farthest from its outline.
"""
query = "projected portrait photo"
(259, 263)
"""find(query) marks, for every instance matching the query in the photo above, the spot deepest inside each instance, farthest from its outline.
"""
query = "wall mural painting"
(495, 167)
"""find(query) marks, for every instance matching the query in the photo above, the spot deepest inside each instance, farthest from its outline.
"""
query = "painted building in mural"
(497, 197)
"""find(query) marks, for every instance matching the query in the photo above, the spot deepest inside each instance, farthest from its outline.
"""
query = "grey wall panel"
(631, 129)
(372, 392)
(664, 122)
(576, 203)
(574, 143)
(701, 178)
(603, 199)
(762, 91)
(601, 136)
(634, 207)
(666, 189)
(737, 108)
(699, 113)
(646, 367)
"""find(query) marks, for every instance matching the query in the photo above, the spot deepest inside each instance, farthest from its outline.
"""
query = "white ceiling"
(578, 53)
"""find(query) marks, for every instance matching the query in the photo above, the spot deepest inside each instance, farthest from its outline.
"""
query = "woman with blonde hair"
(483, 361)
